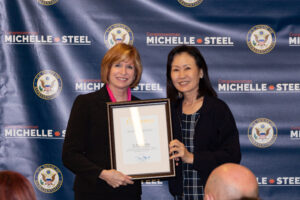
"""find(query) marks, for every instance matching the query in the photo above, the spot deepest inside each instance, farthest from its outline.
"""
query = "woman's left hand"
(178, 150)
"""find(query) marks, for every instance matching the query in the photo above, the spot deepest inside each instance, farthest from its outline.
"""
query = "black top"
(216, 140)
(86, 150)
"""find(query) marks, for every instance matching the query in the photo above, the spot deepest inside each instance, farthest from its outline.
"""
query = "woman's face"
(185, 74)
(121, 75)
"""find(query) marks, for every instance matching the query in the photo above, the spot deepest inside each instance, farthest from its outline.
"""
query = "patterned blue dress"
(192, 189)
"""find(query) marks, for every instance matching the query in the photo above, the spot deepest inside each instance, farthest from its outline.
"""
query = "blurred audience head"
(14, 186)
(231, 182)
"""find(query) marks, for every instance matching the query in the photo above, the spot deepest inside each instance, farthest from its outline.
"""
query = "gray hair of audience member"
(231, 182)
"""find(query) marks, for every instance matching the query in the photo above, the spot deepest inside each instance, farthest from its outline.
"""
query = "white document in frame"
(140, 138)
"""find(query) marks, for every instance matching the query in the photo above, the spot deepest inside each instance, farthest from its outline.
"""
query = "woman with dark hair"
(86, 146)
(204, 129)
(14, 186)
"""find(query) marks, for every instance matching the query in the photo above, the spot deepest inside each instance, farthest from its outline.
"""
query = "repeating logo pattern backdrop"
(51, 50)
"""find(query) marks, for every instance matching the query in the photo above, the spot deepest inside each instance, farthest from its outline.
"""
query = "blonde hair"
(121, 52)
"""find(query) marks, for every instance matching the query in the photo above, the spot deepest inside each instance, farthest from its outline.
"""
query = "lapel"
(102, 97)
(205, 106)
(204, 112)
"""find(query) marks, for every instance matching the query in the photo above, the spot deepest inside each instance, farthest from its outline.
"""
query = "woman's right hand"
(115, 178)
(178, 150)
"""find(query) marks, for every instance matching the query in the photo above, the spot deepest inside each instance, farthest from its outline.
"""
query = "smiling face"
(122, 75)
(185, 74)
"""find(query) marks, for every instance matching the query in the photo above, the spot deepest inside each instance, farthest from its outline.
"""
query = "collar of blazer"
(103, 96)
(204, 109)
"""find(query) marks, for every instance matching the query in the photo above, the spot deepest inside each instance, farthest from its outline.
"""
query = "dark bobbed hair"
(15, 186)
(205, 87)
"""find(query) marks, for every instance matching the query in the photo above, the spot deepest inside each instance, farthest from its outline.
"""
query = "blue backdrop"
(51, 50)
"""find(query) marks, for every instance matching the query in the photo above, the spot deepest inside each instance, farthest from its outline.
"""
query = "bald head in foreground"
(231, 182)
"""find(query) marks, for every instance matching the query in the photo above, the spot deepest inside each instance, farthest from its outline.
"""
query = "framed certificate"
(140, 133)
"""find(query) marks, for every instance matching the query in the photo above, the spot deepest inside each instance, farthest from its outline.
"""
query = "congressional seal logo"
(190, 3)
(48, 178)
(262, 132)
(47, 84)
(261, 39)
(47, 2)
(118, 33)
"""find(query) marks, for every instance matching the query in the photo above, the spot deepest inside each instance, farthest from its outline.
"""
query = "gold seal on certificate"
(140, 132)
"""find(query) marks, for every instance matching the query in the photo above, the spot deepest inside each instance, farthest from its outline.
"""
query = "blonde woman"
(86, 146)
